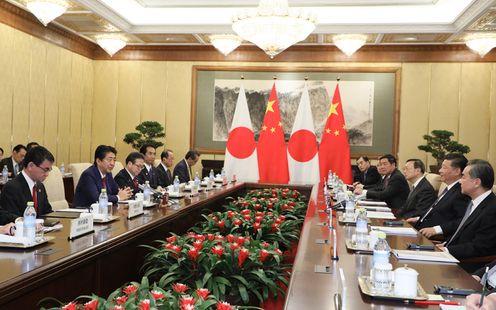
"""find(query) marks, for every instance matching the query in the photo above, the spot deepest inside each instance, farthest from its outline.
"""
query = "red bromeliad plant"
(232, 266)
(140, 296)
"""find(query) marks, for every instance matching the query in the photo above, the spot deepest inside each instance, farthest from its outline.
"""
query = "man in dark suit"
(128, 176)
(183, 168)
(14, 163)
(149, 173)
(368, 174)
(393, 189)
(99, 176)
(422, 195)
(451, 204)
(475, 235)
(28, 186)
(165, 167)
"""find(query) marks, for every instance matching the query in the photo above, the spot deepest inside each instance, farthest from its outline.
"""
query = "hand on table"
(428, 232)
(489, 302)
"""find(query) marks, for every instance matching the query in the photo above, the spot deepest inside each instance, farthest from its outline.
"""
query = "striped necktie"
(464, 219)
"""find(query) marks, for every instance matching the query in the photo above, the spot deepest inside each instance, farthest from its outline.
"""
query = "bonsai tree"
(439, 144)
(147, 132)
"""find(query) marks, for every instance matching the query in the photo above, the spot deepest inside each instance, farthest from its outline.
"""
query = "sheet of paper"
(451, 307)
(380, 215)
(371, 203)
(72, 210)
(428, 256)
(377, 208)
(400, 231)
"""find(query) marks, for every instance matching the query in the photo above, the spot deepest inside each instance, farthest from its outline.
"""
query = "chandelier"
(481, 43)
(111, 43)
(46, 10)
(349, 43)
(225, 43)
(273, 26)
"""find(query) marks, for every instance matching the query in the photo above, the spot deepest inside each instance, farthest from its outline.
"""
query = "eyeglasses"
(45, 170)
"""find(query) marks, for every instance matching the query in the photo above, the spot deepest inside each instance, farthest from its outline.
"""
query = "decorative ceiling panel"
(86, 22)
(371, 37)
(413, 38)
(167, 38)
(487, 22)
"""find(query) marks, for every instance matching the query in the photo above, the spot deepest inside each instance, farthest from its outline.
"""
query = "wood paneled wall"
(46, 95)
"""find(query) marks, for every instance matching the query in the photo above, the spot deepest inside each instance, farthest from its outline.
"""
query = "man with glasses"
(128, 176)
(28, 186)
(99, 176)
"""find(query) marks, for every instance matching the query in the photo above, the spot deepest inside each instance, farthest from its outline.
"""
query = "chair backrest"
(434, 179)
(77, 169)
(118, 167)
(441, 188)
(54, 185)
(156, 162)
(494, 188)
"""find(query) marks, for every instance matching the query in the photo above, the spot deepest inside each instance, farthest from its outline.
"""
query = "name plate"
(135, 208)
(81, 225)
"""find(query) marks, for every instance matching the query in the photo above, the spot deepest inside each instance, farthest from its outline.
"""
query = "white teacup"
(139, 196)
(405, 282)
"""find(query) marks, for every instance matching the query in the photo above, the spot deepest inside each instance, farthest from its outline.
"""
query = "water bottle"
(62, 168)
(381, 250)
(147, 191)
(103, 204)
(349, 210)
(211, 175)
(5, 174)
(176, 185)
(30, 222)
(361, 231)
(223, 176)
(197, 180)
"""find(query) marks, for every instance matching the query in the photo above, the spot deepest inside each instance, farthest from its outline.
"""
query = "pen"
(427, 302)
(483, 282)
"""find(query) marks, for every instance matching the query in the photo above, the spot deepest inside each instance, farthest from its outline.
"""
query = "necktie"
(464, 219)
(104, 182)
(169, 175)
(35, 198)
(434, 204)
(16, 169)
(135, 182)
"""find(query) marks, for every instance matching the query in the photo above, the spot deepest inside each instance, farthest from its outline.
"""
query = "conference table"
(104, 260)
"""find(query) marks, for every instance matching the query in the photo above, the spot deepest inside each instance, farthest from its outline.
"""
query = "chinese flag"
(334, 151)
(271, 148)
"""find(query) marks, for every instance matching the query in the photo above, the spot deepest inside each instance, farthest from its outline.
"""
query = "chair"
(118, 167)
(77, 169)
(434, 179)
(441, 188)
(54, 185)
(156, 162)
(494, 188)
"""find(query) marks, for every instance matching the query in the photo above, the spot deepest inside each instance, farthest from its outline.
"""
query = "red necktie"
(104, 182)
(135, 181)
(35, 202)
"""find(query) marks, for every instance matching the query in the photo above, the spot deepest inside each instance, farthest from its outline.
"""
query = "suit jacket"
(369, 177)
(182, 171)
(419, 200)
(6, 217)
(8, 162)
(151, 176)
(15, 195)
(393, 190)
(477, 236)
(448, 211)
(123, 179)
(90, 185)
(164, 176)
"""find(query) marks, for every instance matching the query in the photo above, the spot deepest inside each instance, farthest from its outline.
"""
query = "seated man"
(14, 163)
(475, 235)
(393, 189)
(451, 204)
(183, 168)
(149, 173)
(165, 166)
(99, 176)
(128, 176)
(368, 174)
(28, 186)
(422, 195)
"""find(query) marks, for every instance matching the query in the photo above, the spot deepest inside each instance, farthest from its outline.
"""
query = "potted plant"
(148, 131)
(439, 144)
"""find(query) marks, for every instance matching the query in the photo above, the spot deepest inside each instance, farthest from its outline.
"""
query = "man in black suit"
(183, 168)
(28, 186)
(149, 173)
(368, 174)
(393, 189)
(451, 204)
(14, 163)
(128, 176)
(475, 235)
(165, 167)
(422, 195)
(97, 177)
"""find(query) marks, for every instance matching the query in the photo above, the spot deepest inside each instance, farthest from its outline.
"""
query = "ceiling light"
(273, 26)
(349, 43)
(225, 43)
(481, 43)
(111, 43)
(46, 10)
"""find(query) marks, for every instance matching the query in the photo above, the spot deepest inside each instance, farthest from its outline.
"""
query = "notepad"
(380, 215)
(451, 307)
(441, 257)
(14, 239)
(377, 208)
(400, 231)
(371, 203)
